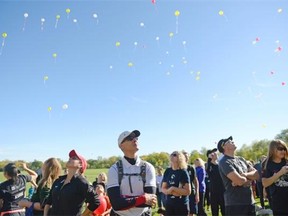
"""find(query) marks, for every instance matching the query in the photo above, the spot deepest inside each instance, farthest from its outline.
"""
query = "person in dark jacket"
(216, 184)
(13, 189)
(69, 192)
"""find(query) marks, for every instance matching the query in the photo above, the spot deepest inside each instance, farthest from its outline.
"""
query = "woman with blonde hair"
(201, 173)
(51, 170)
(275, 176)
(176, 186)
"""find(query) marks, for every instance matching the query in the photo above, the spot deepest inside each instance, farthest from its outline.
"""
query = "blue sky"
(192, 79)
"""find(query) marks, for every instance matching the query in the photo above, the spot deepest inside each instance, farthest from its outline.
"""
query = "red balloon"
(102, 207)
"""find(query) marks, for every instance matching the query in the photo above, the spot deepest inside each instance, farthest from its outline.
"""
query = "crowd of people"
(133, 187)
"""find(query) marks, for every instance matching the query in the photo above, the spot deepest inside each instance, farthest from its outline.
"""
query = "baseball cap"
(125, 134)
(211, 151)
(73, 153)
(222, 142)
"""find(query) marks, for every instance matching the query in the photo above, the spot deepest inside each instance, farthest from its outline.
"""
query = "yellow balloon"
(68, 10)
(54, 55)
(130, 64)
(197, 77)
(58, 17)
(171, 34)
(221, 13)
(4, 35)
(177, 13)
(117, 44)
(49, 109)
(45, 78)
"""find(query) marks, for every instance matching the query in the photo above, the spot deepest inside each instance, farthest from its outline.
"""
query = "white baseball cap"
(125, 134)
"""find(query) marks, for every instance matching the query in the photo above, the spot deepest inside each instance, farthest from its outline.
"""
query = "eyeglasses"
(173, 155)
(281, 149)
(131, 137)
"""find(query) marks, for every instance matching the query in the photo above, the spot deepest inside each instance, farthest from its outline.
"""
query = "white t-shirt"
(136, 183)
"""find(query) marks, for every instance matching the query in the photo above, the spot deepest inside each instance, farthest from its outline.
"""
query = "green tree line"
(251, 152)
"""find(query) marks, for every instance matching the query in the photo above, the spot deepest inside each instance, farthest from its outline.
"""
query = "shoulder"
(147, 164)
(113, 168)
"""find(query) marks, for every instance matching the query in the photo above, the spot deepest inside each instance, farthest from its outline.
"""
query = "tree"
(283, 136)
(254, 151)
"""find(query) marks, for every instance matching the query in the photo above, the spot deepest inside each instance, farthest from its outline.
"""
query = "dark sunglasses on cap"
(174, 155)
(131, 137)
(279, 148)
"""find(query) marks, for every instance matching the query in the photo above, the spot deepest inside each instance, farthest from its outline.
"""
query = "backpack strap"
(143, 172)
(120, 171)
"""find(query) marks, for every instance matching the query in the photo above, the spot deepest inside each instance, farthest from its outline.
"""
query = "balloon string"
(176, 25)
(24, 25)
(56, 23)
(3, 42)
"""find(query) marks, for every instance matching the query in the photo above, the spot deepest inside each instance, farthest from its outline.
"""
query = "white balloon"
(75, 20)
(157, 38)
(26, 15)
(95, 15)
(42, 20)
(65, 106)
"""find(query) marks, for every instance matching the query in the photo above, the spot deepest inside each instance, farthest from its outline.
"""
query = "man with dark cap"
(216, 184)
(131, 185)
(236, 175)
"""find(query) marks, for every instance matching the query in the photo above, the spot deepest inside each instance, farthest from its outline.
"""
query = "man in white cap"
(131, 185)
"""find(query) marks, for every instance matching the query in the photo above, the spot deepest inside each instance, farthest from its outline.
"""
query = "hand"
(248, 183)
(284, 170)
(151, 199)
(170, 190)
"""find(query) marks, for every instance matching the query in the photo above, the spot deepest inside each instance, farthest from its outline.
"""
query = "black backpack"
(121, 174)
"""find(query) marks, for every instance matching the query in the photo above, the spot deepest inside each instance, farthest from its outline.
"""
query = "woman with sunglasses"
(176, 185)
(275, 176)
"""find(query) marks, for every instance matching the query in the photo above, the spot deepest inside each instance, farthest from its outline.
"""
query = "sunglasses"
(174, 155)
(281, 149)
(131, 137)
(230, 141)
